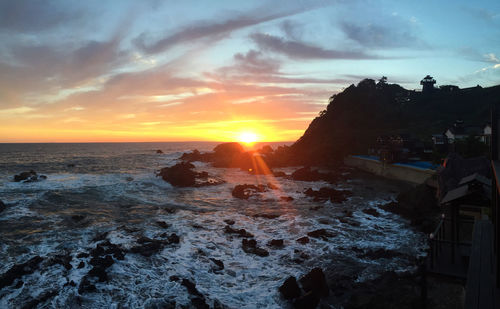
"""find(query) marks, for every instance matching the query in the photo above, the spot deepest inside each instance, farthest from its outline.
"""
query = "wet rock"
(315, 282)
(70, 165)
(195, 155)
(43, 297)
(159, 151)
(19, 270)
(191, 287)
(61, 259)
(162, 224)
(315, 208)
(266, 216)
(86, 285)
(307, 301)
(129, 179)
(26, 176)
(229, 222)
(19, 284)
(173, 239)
(280, 174)
(179, 175)
(371, 212)
(43, 177)
(308, 174)
(380, 253)
(199, 303)
(183, 175)
(303, 240)
(218, 263)
(324, 194)
(276, 243)
(290, 289)
(174, 278)
(100, 237)
(81, 265)
(246, 190)
(286, 198)
(77, 218)
(82, 255)
(240, 232)
(2, 206)
(250, 246)
(219, 305)
(321, 233)
(272, 186)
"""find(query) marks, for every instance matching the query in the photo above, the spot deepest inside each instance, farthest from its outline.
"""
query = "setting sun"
(248, 137)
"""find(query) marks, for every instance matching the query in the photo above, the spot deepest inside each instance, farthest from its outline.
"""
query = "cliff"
(356, 116)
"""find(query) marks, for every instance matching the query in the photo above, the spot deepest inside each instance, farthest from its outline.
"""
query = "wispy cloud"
(303, 50)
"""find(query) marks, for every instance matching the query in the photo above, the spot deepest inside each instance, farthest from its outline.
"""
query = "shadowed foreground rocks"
(314, 287)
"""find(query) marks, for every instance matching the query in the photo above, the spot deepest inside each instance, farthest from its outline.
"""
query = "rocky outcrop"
(30, 176)
(308, 174)
(240, 233)
(324, 194)
(250, 246)
(314, 288)
(183, 175)
(19, 270)
(245, 191)
(2, 206)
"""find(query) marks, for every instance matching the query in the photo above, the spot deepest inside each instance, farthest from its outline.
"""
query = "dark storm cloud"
(302, 50)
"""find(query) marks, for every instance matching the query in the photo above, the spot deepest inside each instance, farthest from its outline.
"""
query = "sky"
(151, 70)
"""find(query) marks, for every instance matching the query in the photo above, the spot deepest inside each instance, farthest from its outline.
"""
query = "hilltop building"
(427, 84)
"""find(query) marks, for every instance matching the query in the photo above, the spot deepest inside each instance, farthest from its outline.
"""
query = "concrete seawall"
(403, 172)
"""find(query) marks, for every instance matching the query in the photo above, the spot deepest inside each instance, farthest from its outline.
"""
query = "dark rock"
(218, 263)
(179, 175)
(315, 208)
(229, 221)
(100, 236)
(77, 218)
(195, 155)
(86, 285)
(33, 303)
(272, 186)
(321, 233)
(82, 255)
(26, 176)
(226, 149)
(379, 254)
(129, 178)
(280, 174)
(267, 216)
(290, 289)
(246, 190)
(61, 259)
(174, 278)
(43, 177)
(315, 282)
(250, 246)
(240, 232)
(191, 288)
(307, 301)
(2, 206)
(19, 270)
(162, 224)
(19, 284)
(286, 198)
(70, 165)
(159, 151)
(81, 265)
(276, 243)
(306, 174)
(173, 239)
(371, 211)
(199, 303)
(303, 240)
(324, 194)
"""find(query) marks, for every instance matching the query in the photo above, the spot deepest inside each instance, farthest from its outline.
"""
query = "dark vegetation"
(356, 116)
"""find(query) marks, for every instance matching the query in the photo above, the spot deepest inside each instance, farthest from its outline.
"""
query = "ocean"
(97, 192)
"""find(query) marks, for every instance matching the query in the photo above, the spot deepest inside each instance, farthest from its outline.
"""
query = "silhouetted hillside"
(356, 116)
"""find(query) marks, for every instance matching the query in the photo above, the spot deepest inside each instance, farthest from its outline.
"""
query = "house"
(460, 132)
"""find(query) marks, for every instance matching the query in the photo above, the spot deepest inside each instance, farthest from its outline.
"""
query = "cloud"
(211, 29)
(34, 15)
(302, 50)
(393, 35)
(491, 57)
